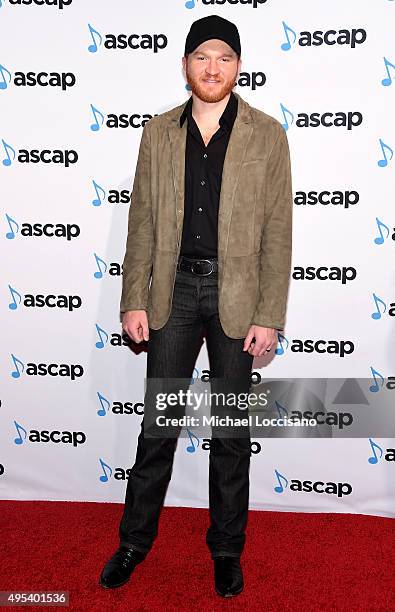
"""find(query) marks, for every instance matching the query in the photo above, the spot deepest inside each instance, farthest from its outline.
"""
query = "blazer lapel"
(237, 147)
(178, 138)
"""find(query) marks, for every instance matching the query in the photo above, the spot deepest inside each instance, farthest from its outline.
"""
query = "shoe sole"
(113, 586)
(229, 594)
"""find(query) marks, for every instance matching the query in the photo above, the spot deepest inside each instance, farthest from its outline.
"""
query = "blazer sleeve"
(276, 241)
(137, 263)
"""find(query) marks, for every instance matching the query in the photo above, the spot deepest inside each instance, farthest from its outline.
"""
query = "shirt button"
(198, 236)
(205, 155)
(200, 209)
(202, 182)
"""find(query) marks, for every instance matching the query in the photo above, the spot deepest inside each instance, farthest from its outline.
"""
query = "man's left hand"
(265, 339)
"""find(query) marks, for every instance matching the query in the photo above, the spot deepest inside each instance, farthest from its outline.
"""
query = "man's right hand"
(135, 324)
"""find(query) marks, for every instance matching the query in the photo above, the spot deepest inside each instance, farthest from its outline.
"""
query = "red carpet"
(292, 561)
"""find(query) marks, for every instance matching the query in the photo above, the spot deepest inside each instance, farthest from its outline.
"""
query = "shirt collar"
(227, 118)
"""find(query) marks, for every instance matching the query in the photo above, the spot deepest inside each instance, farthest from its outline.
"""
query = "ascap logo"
(382, 307)
(255, 446)
(118, 473)
(348, 119)
(380, 383)
(330, 347)
(253, 80)
(114, 195)
(190, 4)
(255, 376)
(111, 339)
(75, 438)
(356, 36)
(327, 198)
(29, 300)
(39, 230)
(384, 232)
(59, 3)
(151, 42)
(118, 407)
(339, 489)
(112, 268)
(65, 157)
(118, 121)
(344, 274)
(72, 371)
(64, 80)
(379, 454)
(334, 419)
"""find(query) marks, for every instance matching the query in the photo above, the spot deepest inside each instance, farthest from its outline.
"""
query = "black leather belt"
(199, 267)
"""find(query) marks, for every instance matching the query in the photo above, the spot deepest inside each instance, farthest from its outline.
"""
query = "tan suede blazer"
(254, 222)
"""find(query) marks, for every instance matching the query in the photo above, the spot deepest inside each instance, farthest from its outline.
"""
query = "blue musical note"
(14, 292)
(280, 488)
(100, 344)
(384, 162)
(380, 239)
(11, 234)
(98, 200)
(104, 465)
(7, 147)
(387, 80)
(192, 448)
(3, 82)
(194, 377)
(105, 405)
(285, 111)
(377, 301)
(101, 270)
(281, 350)
(95, 127)
(93, 48)
(19, 428)
(190, 4)
(374, 388)
(282, 412)
(17, 373)
(286, 46)
(373, 460)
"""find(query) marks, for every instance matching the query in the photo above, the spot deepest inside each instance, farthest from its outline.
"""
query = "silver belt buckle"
(198, 261)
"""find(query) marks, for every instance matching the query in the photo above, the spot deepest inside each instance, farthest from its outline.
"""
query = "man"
(210, 227)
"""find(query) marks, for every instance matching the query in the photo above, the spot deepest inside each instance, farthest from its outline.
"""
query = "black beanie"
(209, 27)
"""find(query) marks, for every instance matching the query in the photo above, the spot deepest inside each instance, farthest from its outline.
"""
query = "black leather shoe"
(228, 576)
(118, 569)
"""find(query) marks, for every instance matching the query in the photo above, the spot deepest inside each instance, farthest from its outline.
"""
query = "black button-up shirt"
(203, 177)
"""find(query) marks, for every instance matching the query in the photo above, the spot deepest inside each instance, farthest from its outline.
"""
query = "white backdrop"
(93, 396)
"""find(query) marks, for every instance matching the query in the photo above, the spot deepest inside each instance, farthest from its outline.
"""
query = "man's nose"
(212, 68)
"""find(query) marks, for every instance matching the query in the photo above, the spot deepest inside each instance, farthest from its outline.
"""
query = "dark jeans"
(172, 352)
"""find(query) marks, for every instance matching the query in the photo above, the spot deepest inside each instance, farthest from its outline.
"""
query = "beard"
(206, 93)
